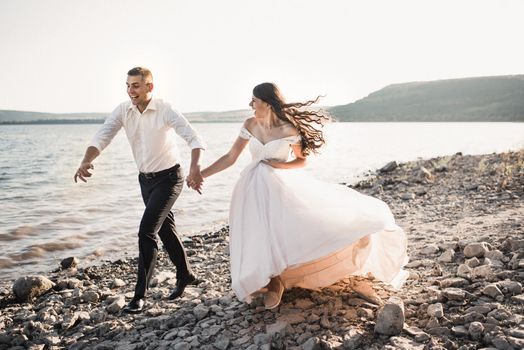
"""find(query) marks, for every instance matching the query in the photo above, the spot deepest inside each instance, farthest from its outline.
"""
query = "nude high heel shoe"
(274, 295)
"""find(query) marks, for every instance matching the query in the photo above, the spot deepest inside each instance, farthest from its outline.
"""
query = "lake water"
(45, 216)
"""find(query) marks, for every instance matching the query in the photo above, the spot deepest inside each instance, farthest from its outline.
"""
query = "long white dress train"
(285, 223)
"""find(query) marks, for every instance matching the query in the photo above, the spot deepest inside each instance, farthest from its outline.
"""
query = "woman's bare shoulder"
(249, 122)
(289, 129)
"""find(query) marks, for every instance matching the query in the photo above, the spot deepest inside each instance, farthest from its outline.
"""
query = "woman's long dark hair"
(303, 119)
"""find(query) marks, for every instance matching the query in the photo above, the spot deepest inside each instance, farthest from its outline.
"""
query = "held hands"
(195, 179)
(272, 163)
(83, 171)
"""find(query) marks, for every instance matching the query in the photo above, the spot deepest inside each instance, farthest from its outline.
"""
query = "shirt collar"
(152, 105)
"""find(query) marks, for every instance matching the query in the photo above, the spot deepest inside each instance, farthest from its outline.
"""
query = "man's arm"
(102, 138)
(182, 127)
(86, 164)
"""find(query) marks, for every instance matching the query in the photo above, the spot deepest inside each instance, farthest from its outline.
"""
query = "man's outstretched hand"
(83, 172)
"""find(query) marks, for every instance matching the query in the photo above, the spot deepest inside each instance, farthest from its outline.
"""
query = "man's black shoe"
(135, 306)
(180, 285)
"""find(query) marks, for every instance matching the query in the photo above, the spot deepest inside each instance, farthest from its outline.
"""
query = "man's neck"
(142, 107)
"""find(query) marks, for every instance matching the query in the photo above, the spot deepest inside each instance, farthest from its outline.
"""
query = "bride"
(288, 229)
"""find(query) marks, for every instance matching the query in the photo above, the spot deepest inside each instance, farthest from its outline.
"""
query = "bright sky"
(206, 55)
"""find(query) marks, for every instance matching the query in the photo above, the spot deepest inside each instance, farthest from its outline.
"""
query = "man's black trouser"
(159, 191)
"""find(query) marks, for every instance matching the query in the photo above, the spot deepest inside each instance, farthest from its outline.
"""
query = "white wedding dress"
(311, 233)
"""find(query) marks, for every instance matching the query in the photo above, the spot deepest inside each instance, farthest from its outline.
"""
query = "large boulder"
(28, 288)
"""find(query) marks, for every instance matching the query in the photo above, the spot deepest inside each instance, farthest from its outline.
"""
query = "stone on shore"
(28, 288)
(69, 263)
(390, 318)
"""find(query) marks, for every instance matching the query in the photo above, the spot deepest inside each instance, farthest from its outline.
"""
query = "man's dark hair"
(143, 72)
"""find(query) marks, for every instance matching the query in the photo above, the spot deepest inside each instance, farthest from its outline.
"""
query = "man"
(150, 125)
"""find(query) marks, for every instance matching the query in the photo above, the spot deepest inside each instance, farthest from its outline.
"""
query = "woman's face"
(258, 105)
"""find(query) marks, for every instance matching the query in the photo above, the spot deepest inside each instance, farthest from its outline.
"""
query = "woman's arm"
(298, 162)
(227, 159)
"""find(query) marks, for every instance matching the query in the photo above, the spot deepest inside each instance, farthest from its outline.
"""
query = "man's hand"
(195, 179)
(83, 171)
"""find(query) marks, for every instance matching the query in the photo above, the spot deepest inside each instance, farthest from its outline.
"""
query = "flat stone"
(454, 294)
(493, 291)
(518, 299)
(454, 282)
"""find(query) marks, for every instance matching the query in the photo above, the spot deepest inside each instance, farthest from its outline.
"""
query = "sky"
(64, 56)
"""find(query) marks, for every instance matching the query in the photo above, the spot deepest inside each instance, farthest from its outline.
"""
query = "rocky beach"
(464, 219)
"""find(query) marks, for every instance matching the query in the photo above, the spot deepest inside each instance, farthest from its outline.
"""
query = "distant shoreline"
(101, 121)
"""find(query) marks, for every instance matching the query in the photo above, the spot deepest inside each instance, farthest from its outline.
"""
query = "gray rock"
(70, 262)
(483, 271)
(510, 287)
(460, 331)
(430, 249)
(501, 343)
(311, 344)
(293, 318)
(447, 256)
(200, 311)
(402, 343)
(182, 346)
(495, 255)
(473, 262)
(262, 338)
(463, 271)
(436, 310)
(90, 296)
(407, 196)
(222, 342)
(390, 318)
(389, 167)
(116, 305)
(454, 282)
(277, 327)
(117, 283)
(475, 250)
(28, 288)
(454, 294)
(493, 291)
(518, 299)
(516, 343)
(475, 330)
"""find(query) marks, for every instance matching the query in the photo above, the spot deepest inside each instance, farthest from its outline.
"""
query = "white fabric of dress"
(284, 222)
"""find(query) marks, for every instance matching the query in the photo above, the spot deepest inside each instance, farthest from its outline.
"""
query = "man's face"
(138, 90)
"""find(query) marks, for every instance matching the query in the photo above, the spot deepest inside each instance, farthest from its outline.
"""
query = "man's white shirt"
(151, 134)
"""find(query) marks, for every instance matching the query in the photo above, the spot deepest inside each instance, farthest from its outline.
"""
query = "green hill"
(499, 98)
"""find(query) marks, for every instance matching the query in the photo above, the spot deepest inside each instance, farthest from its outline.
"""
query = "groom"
(150, 125)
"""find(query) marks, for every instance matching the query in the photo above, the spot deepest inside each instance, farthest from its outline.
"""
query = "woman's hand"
(272, 163)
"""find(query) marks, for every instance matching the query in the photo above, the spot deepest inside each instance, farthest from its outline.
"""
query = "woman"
(288, 229)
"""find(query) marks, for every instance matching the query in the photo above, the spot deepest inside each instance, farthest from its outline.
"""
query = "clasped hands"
(195, 180)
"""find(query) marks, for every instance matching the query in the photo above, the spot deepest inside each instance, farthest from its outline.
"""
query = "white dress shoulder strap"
(245, 134)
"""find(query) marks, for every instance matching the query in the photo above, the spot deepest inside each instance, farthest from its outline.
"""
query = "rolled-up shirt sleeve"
(182, 127)
(108, 130)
